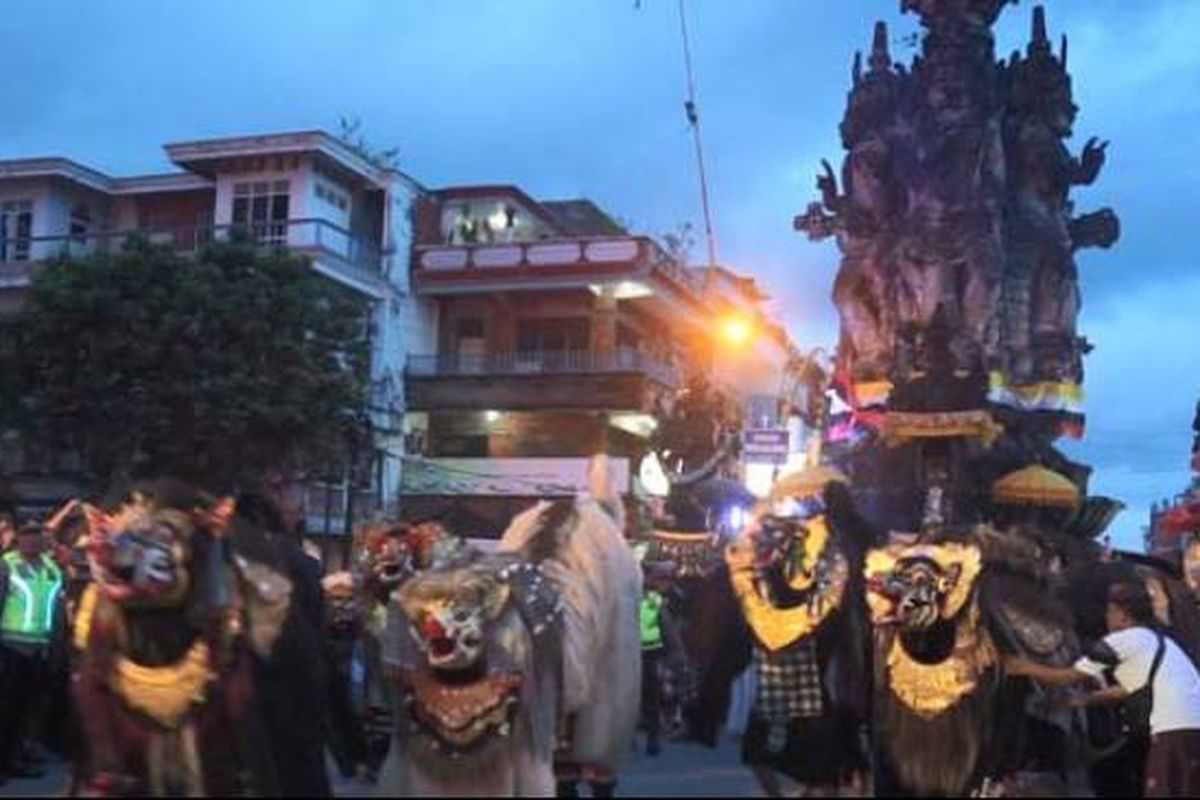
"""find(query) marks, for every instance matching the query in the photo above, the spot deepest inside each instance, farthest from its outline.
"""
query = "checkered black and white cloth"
(789, 682)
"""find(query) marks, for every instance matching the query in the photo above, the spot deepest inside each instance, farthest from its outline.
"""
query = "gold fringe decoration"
(900, 427)
(931, 689)
(777, 628)
(165, 694)
(84, 615)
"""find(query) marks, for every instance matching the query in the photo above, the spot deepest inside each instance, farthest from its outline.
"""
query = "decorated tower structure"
(958, 289)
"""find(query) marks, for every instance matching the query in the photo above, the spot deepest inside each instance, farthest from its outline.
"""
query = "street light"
(736, 330)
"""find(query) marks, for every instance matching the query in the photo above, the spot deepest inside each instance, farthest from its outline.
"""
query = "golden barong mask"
(915, 586)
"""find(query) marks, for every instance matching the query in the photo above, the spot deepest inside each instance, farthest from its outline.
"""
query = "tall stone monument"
(958, 288)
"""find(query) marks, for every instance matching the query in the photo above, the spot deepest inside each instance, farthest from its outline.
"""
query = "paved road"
(681, 771)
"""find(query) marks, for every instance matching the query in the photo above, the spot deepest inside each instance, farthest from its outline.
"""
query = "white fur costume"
(591, 566)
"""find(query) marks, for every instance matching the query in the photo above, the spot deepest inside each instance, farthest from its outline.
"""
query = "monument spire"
(1039, 43)
(881, 59)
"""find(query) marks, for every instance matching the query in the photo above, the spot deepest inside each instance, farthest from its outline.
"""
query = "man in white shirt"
(1129, 651)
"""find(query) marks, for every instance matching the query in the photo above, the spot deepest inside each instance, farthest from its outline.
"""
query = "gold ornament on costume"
(165, 694)
(931, 689)
(825, 575)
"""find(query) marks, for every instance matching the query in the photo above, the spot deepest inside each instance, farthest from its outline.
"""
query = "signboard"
(766, 446)
(505, 477)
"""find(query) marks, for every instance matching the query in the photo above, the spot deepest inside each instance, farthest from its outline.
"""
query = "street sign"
(765, 446)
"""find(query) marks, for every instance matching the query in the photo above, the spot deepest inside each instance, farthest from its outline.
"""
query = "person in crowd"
(292, 681)
(344, 627)
(66, 538)
(1136, 654)
(31, 628)
(8, 529)
(659, 639)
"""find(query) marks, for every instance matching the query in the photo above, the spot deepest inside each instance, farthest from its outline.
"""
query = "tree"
(213, 369)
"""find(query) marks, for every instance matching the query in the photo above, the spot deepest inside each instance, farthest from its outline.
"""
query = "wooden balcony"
(624, 380)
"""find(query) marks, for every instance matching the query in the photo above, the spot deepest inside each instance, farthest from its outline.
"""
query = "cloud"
(1143, 381)
(586, 98)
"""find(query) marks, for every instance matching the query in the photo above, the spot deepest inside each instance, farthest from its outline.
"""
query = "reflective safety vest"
(651, 619)
(32, 601)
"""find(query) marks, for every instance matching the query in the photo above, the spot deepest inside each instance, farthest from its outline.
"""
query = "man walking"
(31, 622)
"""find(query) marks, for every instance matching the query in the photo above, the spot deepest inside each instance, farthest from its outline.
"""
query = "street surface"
(680, 771)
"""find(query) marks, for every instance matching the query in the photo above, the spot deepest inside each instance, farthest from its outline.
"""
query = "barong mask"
(915, 587)
(462, 641)
(450, 620)
(141, 555)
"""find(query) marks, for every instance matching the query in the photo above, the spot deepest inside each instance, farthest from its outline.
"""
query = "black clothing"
(23, 687)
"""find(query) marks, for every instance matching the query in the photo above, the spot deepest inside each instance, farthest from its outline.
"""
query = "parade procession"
(316, 481)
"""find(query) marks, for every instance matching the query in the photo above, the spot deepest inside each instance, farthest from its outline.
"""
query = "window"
(553, 335)
(262, 208)
(16, 229)
(470, 345)
(332, 196)
(81, 223)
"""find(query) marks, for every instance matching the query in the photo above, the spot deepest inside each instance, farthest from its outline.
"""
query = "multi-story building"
(512, 338)
(308, 191)
(559, 334)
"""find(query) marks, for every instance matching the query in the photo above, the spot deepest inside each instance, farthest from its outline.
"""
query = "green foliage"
(212, 369)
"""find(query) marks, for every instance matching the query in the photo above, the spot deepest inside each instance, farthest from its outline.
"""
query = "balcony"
(624, 380)
(556, 263)
(335, 251)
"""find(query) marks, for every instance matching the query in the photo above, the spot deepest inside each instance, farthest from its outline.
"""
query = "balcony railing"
(542, 254)
(316, 235)
(544, 362)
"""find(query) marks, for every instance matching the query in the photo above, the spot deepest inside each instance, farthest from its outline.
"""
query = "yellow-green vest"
(651, 619)
(31, 605)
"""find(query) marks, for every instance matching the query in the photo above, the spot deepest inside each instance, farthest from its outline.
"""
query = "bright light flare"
(736, 330)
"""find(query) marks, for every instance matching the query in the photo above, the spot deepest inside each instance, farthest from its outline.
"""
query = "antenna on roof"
(693, 117)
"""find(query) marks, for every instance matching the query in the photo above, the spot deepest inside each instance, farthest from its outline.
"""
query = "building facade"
(308, 191)
(559, 335)
(512, 338)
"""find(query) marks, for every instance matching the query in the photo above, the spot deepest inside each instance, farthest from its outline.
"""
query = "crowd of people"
(43, 571)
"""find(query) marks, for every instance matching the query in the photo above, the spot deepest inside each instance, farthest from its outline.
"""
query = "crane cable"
(693, 117)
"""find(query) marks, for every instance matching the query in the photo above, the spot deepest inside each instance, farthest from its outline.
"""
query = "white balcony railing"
(543, 362)
(534, 255)
(315, 235)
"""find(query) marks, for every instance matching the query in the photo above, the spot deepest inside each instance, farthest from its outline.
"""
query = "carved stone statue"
(955, 204)
(1042, 289)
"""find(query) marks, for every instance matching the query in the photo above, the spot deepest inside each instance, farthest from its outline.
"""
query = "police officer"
(31, 621)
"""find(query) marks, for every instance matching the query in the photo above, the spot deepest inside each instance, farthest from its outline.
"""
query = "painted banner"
(511, 477)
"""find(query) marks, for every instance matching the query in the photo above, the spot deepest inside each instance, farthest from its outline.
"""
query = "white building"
(307, 190)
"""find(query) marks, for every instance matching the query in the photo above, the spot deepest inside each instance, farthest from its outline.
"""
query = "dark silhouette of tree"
(214, 368)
